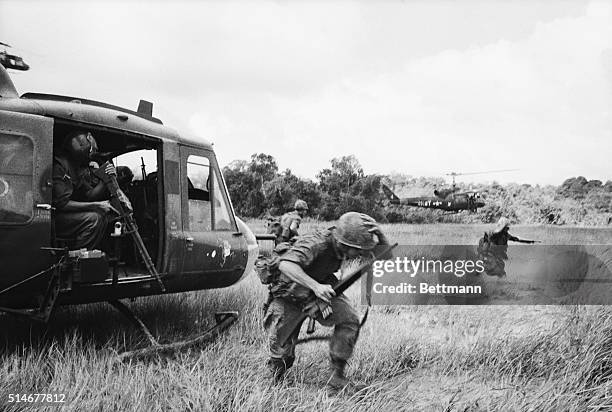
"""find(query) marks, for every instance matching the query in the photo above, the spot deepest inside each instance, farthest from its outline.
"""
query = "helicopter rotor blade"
(478, 173)
(4, 44)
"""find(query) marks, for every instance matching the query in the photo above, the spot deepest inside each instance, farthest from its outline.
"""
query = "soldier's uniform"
(493, 248)
(500, 242)
(87, 228)
(290, 223)
(318, 256)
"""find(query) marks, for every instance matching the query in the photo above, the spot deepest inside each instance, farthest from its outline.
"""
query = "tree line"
(258, 189)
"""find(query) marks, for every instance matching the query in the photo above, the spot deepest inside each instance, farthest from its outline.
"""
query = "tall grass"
(469, 358)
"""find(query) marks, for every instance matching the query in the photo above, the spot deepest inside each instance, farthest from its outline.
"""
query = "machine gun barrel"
(143, 169)
(130, 223)
(352, 277)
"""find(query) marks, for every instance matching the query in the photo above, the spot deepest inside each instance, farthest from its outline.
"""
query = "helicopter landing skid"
(125, 311)
(223, 321)
(56, 284)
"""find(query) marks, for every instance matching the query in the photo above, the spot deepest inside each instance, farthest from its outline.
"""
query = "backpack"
(266, 267)
(273, 226)
(280, 285)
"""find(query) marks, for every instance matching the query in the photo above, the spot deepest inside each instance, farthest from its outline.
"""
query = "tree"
(282, 192)
(244, 188)
(264, 166)
(345, 187)
(245, 183)
(344, 172)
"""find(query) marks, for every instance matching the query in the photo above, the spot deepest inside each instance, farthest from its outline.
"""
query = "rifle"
(125, 213)
(289, 329)
(143, 169)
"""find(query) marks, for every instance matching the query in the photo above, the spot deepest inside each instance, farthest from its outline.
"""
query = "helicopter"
(449, 200)
(12, 61)
(190, 236)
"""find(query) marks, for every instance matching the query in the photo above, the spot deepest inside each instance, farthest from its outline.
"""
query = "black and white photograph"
(306, 205)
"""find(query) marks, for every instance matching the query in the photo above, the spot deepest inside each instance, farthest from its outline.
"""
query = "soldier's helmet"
(124, 175)
(501, 225)
(300, 205)
(352, 230)
(81, 144)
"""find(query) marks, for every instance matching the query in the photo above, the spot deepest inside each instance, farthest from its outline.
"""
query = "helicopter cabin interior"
(136, 159)
(205, 209)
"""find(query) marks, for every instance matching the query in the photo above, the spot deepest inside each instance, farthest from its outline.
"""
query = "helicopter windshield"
(202, 179)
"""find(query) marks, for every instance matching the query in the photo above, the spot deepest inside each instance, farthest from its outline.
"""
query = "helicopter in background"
(12, 61)
(449, 199)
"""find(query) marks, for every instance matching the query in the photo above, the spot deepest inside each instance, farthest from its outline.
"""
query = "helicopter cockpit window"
(222, 217)
(136, 165)
(198, 193)
(16, 174)
(137, 177)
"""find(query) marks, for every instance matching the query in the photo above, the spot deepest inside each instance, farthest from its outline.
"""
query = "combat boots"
(337, 381)
(277, 368)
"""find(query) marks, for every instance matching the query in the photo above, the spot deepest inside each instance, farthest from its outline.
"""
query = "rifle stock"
(353, 276)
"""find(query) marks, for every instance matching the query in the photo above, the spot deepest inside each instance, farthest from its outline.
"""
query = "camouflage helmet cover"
(300, 205)
(352, 230)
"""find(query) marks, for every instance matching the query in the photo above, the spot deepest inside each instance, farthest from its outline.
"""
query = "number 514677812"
(36, 398)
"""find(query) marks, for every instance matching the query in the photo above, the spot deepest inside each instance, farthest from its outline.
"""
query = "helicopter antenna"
(454, 174)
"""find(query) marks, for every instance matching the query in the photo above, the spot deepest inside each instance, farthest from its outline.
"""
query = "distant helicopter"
(448, 200)
(12, 61)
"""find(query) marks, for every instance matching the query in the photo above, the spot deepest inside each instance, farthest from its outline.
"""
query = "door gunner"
(82, 208)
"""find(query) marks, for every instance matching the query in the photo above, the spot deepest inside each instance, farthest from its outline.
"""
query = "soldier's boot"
(277, 368)
(337, 380)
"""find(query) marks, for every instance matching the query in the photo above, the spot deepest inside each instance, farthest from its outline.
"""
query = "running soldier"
(290, 222)
(308, 268)
(493, 248)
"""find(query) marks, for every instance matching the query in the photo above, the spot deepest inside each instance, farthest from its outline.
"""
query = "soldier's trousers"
(344, 319)
(494, 265)
(87, 229)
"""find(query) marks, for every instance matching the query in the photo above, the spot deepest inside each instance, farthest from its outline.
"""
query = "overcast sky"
(422, 88)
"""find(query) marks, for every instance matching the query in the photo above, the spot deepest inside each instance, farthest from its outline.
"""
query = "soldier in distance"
(493, 247)
(290, 221)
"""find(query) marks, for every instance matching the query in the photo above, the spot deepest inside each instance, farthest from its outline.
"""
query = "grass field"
(441, 358)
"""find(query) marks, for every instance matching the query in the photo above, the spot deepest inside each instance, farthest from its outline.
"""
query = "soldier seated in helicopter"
(82, 206)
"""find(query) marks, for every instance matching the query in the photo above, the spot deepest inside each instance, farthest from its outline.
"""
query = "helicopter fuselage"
(180, 203)
(448, 204)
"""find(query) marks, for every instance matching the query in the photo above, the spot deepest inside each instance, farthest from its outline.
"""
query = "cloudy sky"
(416, 87)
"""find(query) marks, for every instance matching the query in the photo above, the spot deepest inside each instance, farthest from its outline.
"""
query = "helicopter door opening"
(137, 175)
(136, 159)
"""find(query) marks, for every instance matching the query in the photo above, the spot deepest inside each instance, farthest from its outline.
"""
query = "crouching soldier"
(290, 222)
(308, 268)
